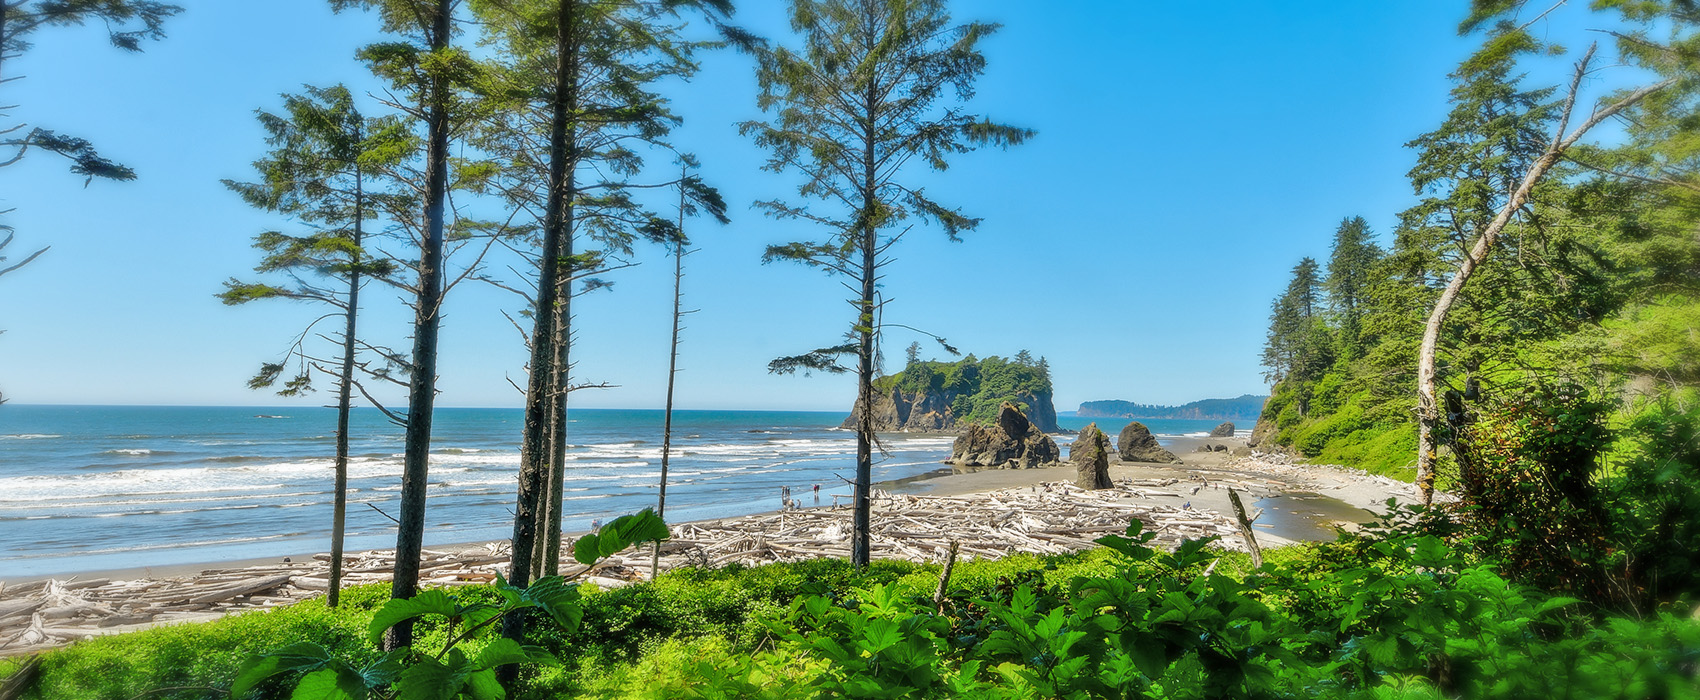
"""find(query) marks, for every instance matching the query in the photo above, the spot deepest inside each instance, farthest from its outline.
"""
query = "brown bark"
(422, 387)
(344, 399)
(672, 371)
(542, 392)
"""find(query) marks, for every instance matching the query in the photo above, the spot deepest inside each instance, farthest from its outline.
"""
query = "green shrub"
(123, 666)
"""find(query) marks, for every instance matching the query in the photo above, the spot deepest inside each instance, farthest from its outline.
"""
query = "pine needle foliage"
(876, 88)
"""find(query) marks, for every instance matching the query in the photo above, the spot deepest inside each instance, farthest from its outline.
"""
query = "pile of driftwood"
(50, 613)
(1051, 518)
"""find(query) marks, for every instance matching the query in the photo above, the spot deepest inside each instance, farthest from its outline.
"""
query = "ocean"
(87, 488)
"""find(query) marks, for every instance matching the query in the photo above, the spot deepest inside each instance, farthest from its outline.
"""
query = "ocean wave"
(136, 452)
(16, 555)
(29, 436)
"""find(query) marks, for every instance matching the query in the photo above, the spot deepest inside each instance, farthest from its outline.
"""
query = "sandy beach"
(996, 512)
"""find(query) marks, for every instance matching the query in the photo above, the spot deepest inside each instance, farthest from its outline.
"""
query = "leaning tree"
(1489, 72)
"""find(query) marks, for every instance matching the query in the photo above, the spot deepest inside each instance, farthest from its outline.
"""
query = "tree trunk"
(672, 373)
(1428, 406)
(422, 387)
(540, 386)
(860, 525)
(344, 399)
(551, 561)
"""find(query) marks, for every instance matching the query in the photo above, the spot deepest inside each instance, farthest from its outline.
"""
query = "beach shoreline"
(1052, 515)
(1356, 489)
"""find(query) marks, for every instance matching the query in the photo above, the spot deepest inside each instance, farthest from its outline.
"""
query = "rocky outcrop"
(1013, 442)
(1090, 455)
(930, 412)
(1223, 430)
(1137, 444)
(1264, 430)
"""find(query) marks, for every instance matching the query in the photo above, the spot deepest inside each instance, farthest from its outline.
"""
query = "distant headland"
(1243, 408)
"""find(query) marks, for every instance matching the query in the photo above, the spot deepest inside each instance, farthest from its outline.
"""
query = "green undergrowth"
(1375, 616)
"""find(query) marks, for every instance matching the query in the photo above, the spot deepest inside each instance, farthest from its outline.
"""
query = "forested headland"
(1246, 407)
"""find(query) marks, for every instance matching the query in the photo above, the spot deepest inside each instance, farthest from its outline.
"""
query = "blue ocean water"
(99, 487)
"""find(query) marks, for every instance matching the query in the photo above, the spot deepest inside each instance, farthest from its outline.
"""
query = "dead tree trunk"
(672, 371)
(1428, 406)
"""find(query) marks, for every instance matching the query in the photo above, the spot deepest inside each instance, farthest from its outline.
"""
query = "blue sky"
(1188, 155)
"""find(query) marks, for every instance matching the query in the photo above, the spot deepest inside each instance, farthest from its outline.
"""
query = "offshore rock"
(1137, 444)
(929, 411)
(1090, 455)
(1222, 431)
(1013, 442)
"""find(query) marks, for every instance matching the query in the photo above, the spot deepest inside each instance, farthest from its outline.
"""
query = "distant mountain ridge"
(1242, 408)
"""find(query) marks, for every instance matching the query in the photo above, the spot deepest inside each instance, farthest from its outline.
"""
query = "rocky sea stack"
(1013, 442)
(1224, 430)
(928, 397)
(1137, 444)
(1090, 455)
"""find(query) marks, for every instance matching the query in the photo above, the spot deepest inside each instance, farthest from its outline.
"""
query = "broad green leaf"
(503, 651)
(482, 685)
(336, 683)
(625, 531)
(295, 657)
(386, 669)
(557, 598)
(428, 602)
(430, 679)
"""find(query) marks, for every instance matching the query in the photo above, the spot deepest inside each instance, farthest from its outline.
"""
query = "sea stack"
(1137, 444)
(1224, 430)
(1013, 442)
(1090, 455)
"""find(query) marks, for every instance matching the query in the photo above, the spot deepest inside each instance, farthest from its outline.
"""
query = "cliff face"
(929, 411)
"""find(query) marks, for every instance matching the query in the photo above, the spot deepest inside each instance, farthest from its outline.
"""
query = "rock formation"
(1223, 430)
(930, 411)
(1264, 430)
(1011, 443)
(1137, 444)
(1090, 455)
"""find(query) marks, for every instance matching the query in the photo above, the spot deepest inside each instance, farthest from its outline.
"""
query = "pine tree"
(869, 91)
(1350, 269)
(321, 173)
(1296, 346)
(427, 71)
(586, 71)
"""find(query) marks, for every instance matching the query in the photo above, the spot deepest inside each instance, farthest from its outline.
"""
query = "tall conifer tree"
(584, 73)
(876, 84)
(427, 69)
(1351, 265)
(321, 172)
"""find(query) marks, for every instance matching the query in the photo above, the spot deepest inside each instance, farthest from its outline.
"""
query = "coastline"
(1356, 489)
(1052, 516)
